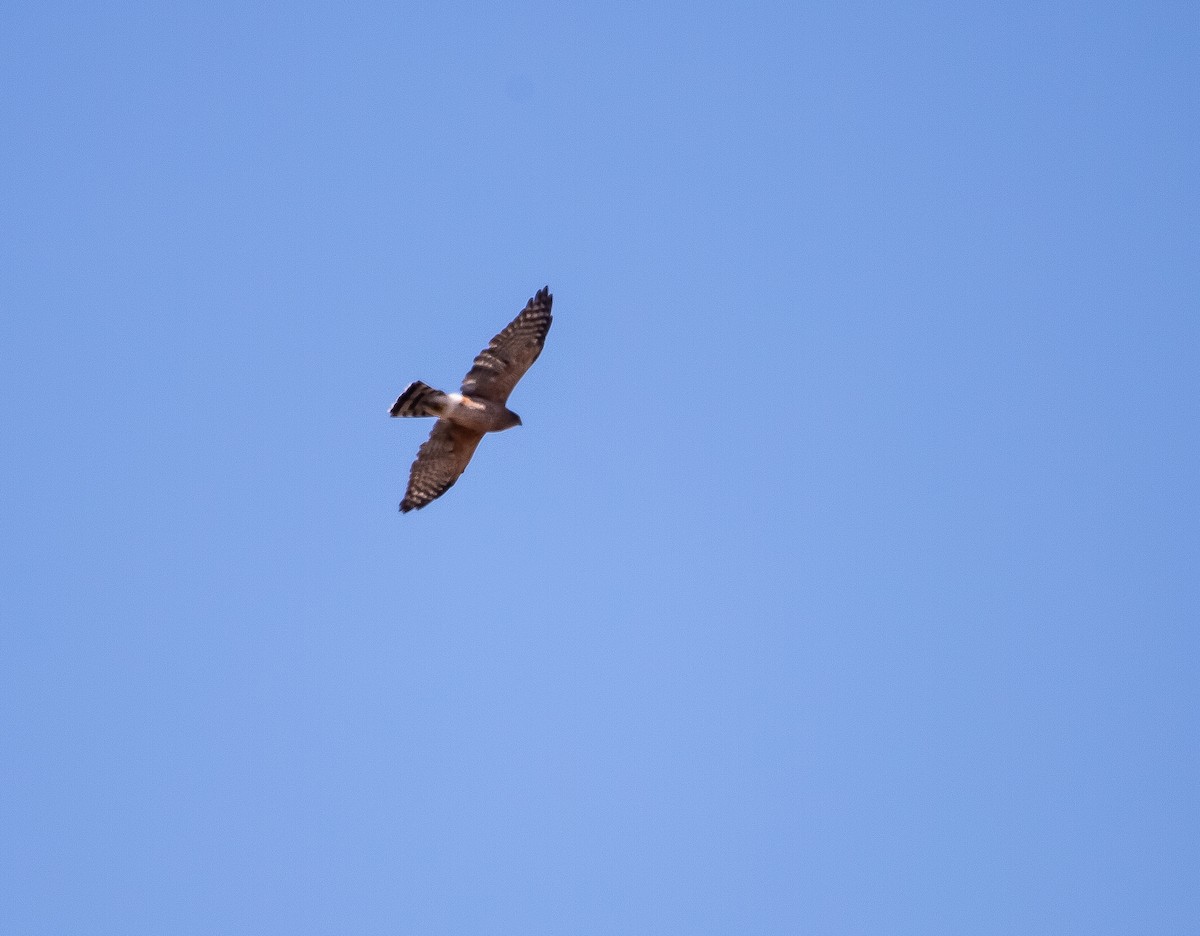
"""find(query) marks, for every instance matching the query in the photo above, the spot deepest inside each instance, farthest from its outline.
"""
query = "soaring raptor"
(463, 418)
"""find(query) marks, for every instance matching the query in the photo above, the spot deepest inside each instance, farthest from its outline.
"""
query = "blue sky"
(842, 579)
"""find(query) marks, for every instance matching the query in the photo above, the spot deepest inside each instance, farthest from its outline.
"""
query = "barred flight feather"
(419, 399)
(511, 353)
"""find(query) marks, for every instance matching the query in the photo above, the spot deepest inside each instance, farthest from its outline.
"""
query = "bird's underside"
(464, 418)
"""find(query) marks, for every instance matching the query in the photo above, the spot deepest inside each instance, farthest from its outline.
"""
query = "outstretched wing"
(502, 363)
(440, 461)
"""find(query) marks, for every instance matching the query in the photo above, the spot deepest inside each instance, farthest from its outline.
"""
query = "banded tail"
(419, 399)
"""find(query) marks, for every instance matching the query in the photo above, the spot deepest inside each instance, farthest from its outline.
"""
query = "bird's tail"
(419, 400)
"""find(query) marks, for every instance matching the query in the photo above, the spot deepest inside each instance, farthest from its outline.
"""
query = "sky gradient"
(843, 578)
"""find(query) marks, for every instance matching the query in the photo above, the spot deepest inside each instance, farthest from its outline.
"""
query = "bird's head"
(510, 419)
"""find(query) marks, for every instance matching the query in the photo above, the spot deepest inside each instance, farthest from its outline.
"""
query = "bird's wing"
(440, 461)
(503, 362)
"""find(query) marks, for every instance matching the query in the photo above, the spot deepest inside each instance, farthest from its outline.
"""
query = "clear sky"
(843, 578)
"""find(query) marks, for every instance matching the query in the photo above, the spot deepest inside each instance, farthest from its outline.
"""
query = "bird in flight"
(464, 417)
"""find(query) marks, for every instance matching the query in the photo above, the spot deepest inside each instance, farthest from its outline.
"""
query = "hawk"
(464, 417)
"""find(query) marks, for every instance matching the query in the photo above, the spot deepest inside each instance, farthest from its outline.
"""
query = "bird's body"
(478, 415)
(464, 418)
